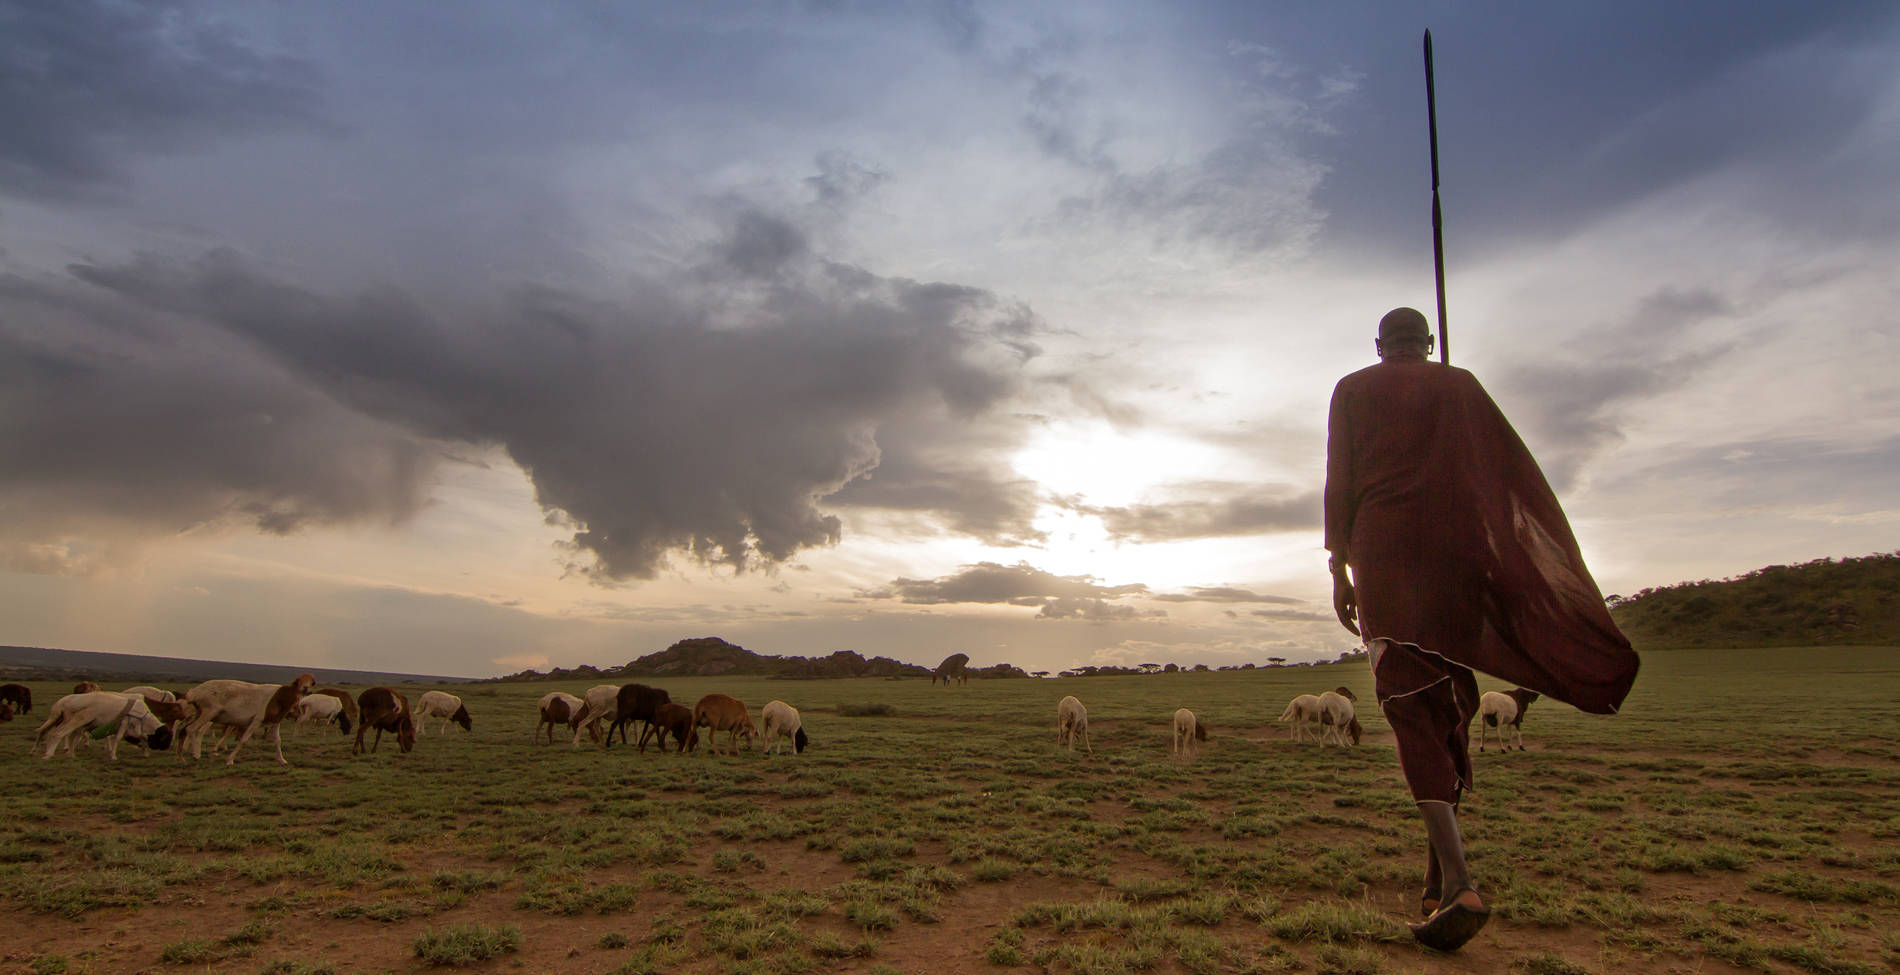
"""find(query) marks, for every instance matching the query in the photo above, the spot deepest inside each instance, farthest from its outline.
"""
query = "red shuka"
(1456, 541)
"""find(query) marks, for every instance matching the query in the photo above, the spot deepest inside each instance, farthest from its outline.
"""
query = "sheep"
(19, 695)
(325, 708)
(151, 693)
(252, 707)
(1501, 711)
(722, 712)
(601, 703)
(634, 703)
(440, 704)
(952, 669)
(781, 720)
(76, 714)
(1336, 717)
(348, 702)
(1188, 732)
(676, 719)
(385, 709)
(557, 707)
(1303, 712)
(1072, 719)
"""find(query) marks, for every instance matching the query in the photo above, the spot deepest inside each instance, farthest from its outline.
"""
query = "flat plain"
(1741, 814)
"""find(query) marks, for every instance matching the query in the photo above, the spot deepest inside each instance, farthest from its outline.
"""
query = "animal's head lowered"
(1200, 731)
(800, 740)
(461, 717)
(406, 731)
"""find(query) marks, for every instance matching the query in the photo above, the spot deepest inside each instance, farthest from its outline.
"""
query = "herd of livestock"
(157, 719)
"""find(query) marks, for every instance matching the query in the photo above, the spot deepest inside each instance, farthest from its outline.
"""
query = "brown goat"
(384, 709)
(19, 695)
(674, 719)
(723, 712)
(86, 687)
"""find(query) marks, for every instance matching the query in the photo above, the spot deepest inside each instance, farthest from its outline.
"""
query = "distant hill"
(1827, 601)
(709, 656)
(40, 663)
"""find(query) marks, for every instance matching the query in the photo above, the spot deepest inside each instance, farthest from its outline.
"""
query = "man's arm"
(1340, 500)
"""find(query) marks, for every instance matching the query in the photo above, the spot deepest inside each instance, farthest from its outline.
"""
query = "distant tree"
(1040, 673)
(1200, 668)
(1276, 661)
(1150, 668)
(1171, 669)
(1247, 666)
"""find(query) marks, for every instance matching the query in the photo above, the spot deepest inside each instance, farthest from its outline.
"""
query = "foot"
(1428, 901)
(1456, 922)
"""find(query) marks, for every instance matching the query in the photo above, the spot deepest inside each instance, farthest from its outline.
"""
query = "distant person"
(1460, 559)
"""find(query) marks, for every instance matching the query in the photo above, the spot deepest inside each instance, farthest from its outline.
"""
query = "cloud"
(1223, 594)
(707, 415)
(988, 582)
(1234, 510)
(1293, 616)
(84, 85)
(1094, 611)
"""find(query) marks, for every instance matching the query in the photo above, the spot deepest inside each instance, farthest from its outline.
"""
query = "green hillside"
(1827, 601)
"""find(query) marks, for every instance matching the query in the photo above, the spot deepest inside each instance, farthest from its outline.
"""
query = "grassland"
(1740, 815)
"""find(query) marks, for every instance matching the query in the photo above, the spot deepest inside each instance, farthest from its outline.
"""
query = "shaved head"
(1404, 323)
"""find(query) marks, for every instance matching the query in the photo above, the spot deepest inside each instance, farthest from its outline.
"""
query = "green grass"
(466, 944)
(1741, 837)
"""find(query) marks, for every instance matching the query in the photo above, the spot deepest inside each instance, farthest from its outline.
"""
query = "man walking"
(1460, 559)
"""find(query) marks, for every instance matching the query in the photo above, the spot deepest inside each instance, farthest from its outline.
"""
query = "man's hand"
(1345, 601)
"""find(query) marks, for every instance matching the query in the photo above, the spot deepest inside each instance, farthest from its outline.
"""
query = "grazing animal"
(1504, 712)
(440, 704)
(952, 669)
(6, 711)
(325, 708)
(1336, 717)
(251, 707)
(722, 712)
(1072, 720)
(557, 707)
(19, 695)
(151, 693)
(86, 687)
(75, 714)
(674, 719)
(781, 720)
(1189, 732)
(385, 709)
(1303, 712)
(634, 703)
(601, 704)
(349, 704)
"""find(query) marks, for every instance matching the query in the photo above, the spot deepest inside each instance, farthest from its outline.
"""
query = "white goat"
(780, 718)
(557, 707)
(439, 704)
(1336, 718)
(1072, 720)
(76, 714)
(1303, 711)
(1504, 712)
(241, 704)
(1189, 732)
(600, 703)
(320, 708)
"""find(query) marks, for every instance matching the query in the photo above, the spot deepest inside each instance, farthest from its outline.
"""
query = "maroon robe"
(1456, 542)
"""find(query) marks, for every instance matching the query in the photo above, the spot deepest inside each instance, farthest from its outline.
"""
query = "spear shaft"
(1438, 216)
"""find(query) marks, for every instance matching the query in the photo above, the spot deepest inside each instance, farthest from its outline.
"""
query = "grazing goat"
(325, 708)
(781, 720)
(348, 702)
(1303, 711)
(1504, 712)
(674, 719)
(557, 707)
(600, 704)
(76, 714)
(1072, 719)
(634, 703)
(1336, 717)
(722, 712)
(18, 695)
(384, 709)
(1189, 732)
(952, 669)
(241, 704)
(439, 704)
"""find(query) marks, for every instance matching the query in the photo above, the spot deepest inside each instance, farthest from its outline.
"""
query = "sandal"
(1428, 901)
(1453, 924)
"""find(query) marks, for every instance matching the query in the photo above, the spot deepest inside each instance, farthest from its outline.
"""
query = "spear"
(1438, 216)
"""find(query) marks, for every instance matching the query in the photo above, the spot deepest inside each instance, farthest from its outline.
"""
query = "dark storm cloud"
(85, 86)
(664, 422)
(161, 428)
(933, 471)
(1223, 594)
(989, 582)
(1234, 509)
(1574, 405)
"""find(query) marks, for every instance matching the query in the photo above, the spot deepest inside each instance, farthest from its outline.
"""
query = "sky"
(475, 338)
